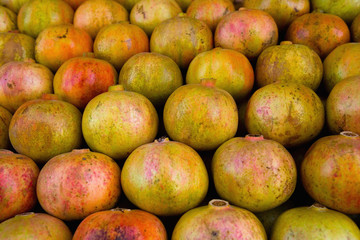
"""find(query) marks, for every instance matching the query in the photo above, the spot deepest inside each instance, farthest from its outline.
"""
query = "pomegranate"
(5, 116)
(13, 5)
(18, 176)
(201, 115)
(128, 4)
(342, 106)
(165, 177)
(289, 113)
(116, 43)
(355, 29)
(346, 9)
(118, 121)
(36, 15)
(80, 79)
(289, 62)
(74, 3)
(321, 32)
(120, 223)
(240, 163)
(248, 31)
(218, 220)
(15, 46)
(56, 44)
(38, 226)
(92, 15)
(43, 128)
(231, 69)
(314, 222)
(181, 38)
(330, 172)
(73, 185)
(147, 14)
(23, 81)
(7, 19)
(153, 75)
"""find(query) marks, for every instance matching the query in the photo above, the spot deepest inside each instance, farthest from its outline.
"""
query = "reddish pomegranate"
(218, 220)
(201, 115)
(80, 79)
(7, 19)
(121, 223)
(248, 31)
(236, 169)
(31, 225)
(5, 116)
(181, 38)
(18, 176)
(330, 172)
(314, 222)
(43, 128)
(165, 177)
(73, 185)
(23, 81)
(118, 121)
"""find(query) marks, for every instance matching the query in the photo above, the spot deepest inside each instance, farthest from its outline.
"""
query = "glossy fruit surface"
(18, 176)
(76, 184)
(165, 178)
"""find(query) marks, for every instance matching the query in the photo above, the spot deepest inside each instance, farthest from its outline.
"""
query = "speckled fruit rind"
(201, 115)
(15, 47)
(248, 31)
(73, 185)
(322, 32)
(153, 75)
(254, 173)
(18, 176)
(116, 43)
(342, 106)
(43, 128)
(7, 20)
(121, 223)
(5, 118)
(342, 62)
(330, 172)
(165, 178)
(283, 11)
(289, 113)
(36, 15)
(314, 222)
(181, 38)
(116, 122)
(346, 9)
(289, 62)
(38, 226)
(80, 79)
(231, 69)
(218, 220)
(95, 14)
(21, 81)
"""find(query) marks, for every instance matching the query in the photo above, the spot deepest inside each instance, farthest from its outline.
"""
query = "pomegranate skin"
(5, 116)
(330, 172)
(218, 220)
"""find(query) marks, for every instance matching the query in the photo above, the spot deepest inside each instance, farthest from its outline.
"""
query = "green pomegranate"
(201, 115)
(118, 121)
(346, 9)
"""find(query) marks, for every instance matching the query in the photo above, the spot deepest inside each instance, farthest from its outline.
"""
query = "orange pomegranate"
(120, 223)
(248, 31)
(147, 14)
(15, 46)
(59, 43)
(165, 177)
(210, 11)
(7, 19)
(36, 15)
(231, 69)
(283, 11)
(181, 38)
(76, 184)
(18, 176)
(321, 32)
(80, 79)
(116, 43)
(23, 81)
(92, 15)
(5, 116)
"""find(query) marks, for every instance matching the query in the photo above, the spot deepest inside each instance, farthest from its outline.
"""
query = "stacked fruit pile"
(181, 119)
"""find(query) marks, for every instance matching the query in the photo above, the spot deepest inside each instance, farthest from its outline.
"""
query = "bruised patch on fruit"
(127, 233)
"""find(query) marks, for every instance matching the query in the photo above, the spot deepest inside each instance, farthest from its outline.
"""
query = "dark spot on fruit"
(296, 10)
(84, 158)
(97, 234)
(64, 35)
(214, 233)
